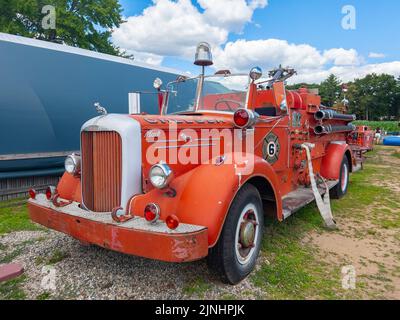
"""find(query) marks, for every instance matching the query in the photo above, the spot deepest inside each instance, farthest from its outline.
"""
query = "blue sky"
(316, 23)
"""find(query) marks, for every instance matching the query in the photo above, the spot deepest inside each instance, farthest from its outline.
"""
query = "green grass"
(396, 154)
(43, 296)
(12, 289)
(389, 126)
(15, 218)
(57, 256)
(294, 270)
(198, 288)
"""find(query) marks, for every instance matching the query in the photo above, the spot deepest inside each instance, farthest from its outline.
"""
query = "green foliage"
(388, 126)
(375, 97)
(302, 85)
(330, 91)
(83, 23)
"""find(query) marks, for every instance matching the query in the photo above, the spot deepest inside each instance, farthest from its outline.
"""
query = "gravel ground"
(90, 272)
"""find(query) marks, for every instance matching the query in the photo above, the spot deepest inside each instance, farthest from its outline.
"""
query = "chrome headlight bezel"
(161, 170)
(72, 164)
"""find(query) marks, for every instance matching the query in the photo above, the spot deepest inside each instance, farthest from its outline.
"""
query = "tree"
(302, 85)
(375, 97)
(80, 23)
(330, 91)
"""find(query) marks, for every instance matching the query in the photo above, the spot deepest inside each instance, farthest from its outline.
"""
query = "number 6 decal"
(271, 148)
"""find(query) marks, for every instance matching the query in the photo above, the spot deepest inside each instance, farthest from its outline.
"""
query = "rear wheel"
(340, 190)
(235, 254)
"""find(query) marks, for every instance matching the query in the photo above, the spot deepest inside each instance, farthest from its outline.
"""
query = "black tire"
(340, 190)
(223, 257)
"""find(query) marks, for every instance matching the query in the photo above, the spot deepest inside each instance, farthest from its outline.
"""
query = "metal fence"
(14, 188)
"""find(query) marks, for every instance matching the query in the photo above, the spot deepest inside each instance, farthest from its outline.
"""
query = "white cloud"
(312, 65)
(343, 57)
(167, 28)
(231, 15)
(241, 55)
(174, 27)
(375, 55)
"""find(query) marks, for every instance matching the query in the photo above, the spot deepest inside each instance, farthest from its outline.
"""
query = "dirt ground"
(372, 248)
(299, 259)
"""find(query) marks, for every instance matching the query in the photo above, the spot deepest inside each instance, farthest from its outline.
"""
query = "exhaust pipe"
(333, 115)
(326, 129)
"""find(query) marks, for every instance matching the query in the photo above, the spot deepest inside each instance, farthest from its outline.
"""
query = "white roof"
(83, 52)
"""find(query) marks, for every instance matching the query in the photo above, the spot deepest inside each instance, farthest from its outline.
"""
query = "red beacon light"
(152, 212)
(244, 118)
(32, 193)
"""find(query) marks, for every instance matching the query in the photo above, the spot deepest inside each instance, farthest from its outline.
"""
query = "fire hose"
(323, 202)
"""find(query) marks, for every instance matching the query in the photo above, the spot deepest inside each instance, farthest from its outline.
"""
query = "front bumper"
(135, 237)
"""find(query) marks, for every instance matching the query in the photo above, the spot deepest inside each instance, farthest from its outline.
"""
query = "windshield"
(218, 93)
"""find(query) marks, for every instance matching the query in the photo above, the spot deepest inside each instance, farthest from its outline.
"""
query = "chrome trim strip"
(186, 146)
(40, 155)
(130, 133)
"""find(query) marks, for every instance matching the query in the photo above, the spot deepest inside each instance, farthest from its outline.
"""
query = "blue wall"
(46, 96)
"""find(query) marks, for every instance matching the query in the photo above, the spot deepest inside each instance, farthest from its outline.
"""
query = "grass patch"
(43, 296)
(396, 154)
(11, 290)
(197, 288)
(12, 255)
(294, 270)
(57, 256)
(16, 219)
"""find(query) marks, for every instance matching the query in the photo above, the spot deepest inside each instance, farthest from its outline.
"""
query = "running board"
(301, 197)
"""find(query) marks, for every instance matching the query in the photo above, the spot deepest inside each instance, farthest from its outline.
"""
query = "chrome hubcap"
(247, 232)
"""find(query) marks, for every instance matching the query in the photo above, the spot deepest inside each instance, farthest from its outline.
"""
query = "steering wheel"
(227, 102)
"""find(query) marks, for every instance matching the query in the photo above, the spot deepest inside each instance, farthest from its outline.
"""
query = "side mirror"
(256, 73)
(157, 83)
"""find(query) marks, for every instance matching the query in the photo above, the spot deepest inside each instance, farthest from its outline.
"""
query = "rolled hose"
(333, 115)
(326, 129)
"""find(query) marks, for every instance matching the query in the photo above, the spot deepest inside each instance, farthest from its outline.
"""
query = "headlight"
(160, 175)
(73, 164)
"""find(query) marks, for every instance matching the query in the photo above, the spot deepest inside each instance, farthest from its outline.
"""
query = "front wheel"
(340, 190)
(235, 254)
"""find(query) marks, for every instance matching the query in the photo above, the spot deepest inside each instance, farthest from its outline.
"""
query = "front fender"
(210, 190)
(69, 188)
(330, 166)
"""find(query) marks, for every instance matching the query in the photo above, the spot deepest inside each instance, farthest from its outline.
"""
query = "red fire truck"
(197, 179)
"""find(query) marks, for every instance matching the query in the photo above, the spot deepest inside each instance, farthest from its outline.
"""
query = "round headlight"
(160, 175)
(73, 164)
